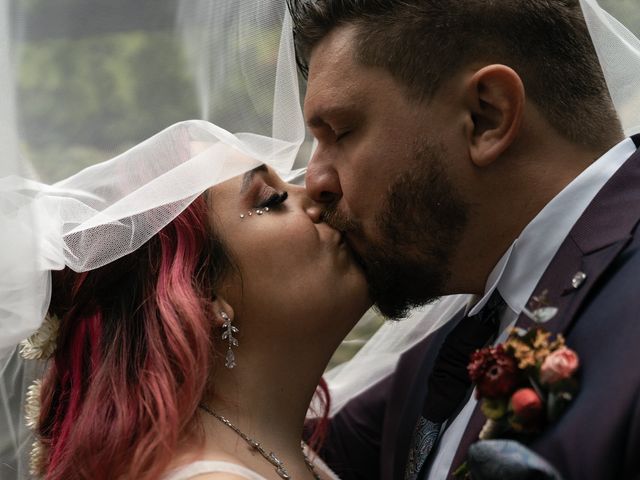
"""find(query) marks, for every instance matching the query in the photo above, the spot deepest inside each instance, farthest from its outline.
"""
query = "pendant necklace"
(255, 445)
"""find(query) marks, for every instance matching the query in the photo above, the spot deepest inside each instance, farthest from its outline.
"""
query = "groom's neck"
(510, 196)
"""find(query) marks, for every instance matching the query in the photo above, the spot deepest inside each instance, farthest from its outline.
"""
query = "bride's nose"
(312, 208)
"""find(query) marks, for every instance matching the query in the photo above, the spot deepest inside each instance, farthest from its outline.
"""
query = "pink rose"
(527, 406)
(559, 365)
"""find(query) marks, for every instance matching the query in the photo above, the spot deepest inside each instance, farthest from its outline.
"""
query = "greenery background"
(95, 78)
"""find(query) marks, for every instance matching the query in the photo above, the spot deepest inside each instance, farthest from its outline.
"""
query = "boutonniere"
(523, 384)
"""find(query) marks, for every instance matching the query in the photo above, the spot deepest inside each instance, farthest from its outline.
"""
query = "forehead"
(332, 68)
(338, 82)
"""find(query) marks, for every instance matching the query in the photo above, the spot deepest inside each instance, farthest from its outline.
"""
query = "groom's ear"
(495, 98)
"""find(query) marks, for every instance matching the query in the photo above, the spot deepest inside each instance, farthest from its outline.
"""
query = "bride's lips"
(330, 235)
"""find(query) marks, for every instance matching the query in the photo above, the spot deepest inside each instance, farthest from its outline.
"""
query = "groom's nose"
(322, 180)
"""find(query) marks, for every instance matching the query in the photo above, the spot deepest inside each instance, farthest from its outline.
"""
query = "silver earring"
(229, 330)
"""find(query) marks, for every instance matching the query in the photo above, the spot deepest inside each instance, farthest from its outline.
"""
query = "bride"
(195, 298)
(177, 360)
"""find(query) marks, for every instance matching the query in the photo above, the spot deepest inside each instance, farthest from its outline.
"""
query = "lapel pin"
(578, 279)
(541, 311)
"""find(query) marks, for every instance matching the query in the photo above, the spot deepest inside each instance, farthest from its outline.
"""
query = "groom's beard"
(407, 262)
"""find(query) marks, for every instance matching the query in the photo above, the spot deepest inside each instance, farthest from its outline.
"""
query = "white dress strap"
(211, 466)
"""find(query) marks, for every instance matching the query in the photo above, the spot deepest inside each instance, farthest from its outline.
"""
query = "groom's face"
(383, 169)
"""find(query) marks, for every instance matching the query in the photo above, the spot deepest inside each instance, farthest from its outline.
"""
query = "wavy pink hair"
(134, 346)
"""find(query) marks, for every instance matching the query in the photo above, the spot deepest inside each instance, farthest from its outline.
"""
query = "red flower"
(494, 372)
(527, 406)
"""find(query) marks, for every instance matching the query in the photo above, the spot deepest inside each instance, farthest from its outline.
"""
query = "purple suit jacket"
(598, 437)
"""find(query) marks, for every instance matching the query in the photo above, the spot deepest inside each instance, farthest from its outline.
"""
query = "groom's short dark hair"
(422, 43)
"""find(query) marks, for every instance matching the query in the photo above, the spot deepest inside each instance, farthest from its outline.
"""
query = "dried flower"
(522, 352)
(32, 405)
(38, 456)
(489, 430)
(559, 365)
(42, 343)
(494, 408)
(494, 372)
(37, 459)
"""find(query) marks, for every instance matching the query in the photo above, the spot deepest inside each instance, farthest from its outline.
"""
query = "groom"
(467, 146)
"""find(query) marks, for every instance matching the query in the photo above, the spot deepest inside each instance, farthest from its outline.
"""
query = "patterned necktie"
(449, 381)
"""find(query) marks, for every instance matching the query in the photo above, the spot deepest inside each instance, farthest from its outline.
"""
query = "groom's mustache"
(340, 220)
(349, 227)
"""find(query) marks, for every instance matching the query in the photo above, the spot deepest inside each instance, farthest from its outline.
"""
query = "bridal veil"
(236, 63)
(240, 73)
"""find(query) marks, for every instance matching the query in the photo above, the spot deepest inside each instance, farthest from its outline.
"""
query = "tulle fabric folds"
(242, 60)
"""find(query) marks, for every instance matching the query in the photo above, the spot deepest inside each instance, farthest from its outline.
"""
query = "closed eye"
(274, 200)
(341, 134)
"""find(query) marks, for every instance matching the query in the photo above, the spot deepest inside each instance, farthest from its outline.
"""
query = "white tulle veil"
(232, 64)
(236, 67)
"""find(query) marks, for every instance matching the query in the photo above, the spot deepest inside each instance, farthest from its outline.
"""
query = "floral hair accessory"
(523, 384)
(38, 455)
(39, 346)
(42, 343)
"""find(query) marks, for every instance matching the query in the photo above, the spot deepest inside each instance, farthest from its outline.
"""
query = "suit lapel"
(601, 233)
(409, 391)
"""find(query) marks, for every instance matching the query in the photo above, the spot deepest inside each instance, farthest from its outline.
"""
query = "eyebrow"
(248, 177)
(318, 118)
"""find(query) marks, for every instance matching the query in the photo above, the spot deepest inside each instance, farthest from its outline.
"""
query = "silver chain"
(270, 457)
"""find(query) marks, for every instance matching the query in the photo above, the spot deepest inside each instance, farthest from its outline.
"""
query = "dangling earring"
(229, 330)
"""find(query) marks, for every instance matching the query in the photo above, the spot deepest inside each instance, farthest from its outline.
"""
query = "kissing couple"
(463, 149)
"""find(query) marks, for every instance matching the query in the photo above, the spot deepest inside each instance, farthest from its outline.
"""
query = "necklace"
(270, 457)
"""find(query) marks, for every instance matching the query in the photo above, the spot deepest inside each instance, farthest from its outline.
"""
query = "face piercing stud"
(259, 212)
(242, 215)
(250, 213)
(266, 209)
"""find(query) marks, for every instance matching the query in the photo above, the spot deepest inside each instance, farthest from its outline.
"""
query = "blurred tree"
(79, 53)
(626, 11)
(96, 81)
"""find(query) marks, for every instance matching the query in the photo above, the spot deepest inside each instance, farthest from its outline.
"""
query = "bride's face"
(291, 265)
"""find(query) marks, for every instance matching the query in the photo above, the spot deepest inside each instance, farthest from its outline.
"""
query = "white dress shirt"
(521, 267)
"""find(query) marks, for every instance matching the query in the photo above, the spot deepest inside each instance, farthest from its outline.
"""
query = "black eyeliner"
(274, 200)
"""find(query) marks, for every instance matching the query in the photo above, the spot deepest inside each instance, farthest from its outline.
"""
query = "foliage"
(626, 11)
(63, 83)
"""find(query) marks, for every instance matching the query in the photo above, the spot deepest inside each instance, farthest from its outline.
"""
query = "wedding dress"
(210, 466)
(193, 469)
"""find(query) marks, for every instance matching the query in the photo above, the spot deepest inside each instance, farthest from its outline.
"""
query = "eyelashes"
(342, 135)
(273, 201)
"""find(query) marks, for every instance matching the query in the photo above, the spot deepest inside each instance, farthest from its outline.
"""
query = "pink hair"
(134, 351)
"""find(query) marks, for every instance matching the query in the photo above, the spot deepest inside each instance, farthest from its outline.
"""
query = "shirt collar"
(521, 267)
